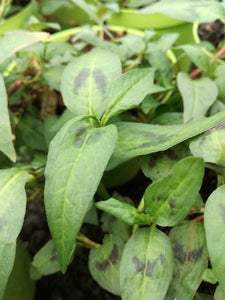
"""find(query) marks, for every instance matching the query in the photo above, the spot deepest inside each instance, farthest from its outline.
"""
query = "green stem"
(140, 208)
(3, 7)
(87, 242)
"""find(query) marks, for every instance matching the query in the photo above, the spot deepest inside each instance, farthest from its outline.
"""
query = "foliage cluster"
(82, 111)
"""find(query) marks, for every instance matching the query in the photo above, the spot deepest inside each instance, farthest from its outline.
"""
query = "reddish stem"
(198, 71)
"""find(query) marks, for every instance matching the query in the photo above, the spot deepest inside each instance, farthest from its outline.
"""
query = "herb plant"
(82, 112)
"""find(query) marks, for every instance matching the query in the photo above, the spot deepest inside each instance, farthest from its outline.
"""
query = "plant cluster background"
(112, 150)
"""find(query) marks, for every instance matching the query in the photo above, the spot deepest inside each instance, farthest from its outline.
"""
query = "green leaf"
(76, 153)
(147, 265)
(85, 81)
(209, 276)
(220, 81)
(135, 139)
(211, 145)
(45, 261)
(114, 226)
(6, 144)
(123, 211)
(197, 55)
(7, 256)
(90, 10)
(200, 11)
(13, 205)
(30, 131)
(129, 90)
(139, 3)
(20, 286)
(219, 294)
(14, 41)
(198, 95)
(104, 263)
(169, 200)
(200, 296)
(191, 259)
(162, 64)
(215, 232)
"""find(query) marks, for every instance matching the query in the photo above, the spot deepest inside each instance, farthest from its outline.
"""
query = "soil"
(77, 283)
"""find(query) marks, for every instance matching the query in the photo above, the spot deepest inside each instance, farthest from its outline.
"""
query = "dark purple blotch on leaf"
(95, 137)
(195, 255)
(100, 80)
(151, 265)
(114, 255)
(172, 156)
(179, 253)
(53, 255)
(139, 266)
(162, 259)
(172, 204)
(102, 266)
(80, 79)
(80, 136)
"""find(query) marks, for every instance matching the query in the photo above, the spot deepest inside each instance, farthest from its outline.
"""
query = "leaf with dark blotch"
(76, 153)
(158, 165)
(191, 259)
(215, 232)
(104, 263)
(135, 139)
(147, 265)
(45, 261)
(85, 81)
(211, 146)
(169, 199)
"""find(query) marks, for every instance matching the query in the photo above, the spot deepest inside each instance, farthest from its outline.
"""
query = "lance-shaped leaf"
(191, 11)
(211, 145)
(104, 263)
(198, 95)
(215, 232)
(14, 41)
(45, 261)
(147, 265)
(135, 139)
(169, 200)
(124, 212)
(85, 81)
(6, 144)
(76, 161)
(129, 90)
(13, 205)
(191, 259)
(20, 286)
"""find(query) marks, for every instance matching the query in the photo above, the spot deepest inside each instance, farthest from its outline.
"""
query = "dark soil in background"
(77, 283)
